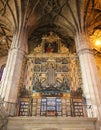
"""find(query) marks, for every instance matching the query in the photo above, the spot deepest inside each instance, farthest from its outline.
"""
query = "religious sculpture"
(38, 49)
(36, 83)
(65, 84)
(78, 92)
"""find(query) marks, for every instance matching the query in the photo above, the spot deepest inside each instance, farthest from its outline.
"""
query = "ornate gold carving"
(64, 49)
(38, 49)
(50, 38)
(50, 45)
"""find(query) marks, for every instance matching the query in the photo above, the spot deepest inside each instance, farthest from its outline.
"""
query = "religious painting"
(37, 68)
(51, 47)
(65, 68)
(43, 67)
(44, 59)
(58, 60)
(58, 68)
(37, 60)
(64, 61)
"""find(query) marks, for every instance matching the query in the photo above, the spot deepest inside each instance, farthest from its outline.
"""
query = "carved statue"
(36, 83)
(77, 92)
(65, 84)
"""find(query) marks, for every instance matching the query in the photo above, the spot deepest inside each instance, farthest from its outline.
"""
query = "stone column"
(10, 82)
(91, 81)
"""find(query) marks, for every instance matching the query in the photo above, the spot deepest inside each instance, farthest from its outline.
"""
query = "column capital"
(18, 49)
(85, 50)
(83, 43)
(20, 41)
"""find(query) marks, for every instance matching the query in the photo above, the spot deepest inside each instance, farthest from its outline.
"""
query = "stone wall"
(51, 123)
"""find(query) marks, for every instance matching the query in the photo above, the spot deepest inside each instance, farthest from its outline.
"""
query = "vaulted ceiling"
(64, 17)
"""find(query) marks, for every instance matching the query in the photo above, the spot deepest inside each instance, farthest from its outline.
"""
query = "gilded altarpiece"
(52, 64)
(52, 81)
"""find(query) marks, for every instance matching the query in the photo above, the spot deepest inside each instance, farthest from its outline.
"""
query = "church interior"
(50, 64)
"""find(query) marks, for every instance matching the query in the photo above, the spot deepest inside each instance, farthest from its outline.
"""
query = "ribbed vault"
(64, 17)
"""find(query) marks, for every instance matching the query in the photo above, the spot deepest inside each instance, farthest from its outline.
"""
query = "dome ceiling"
(63, 17)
